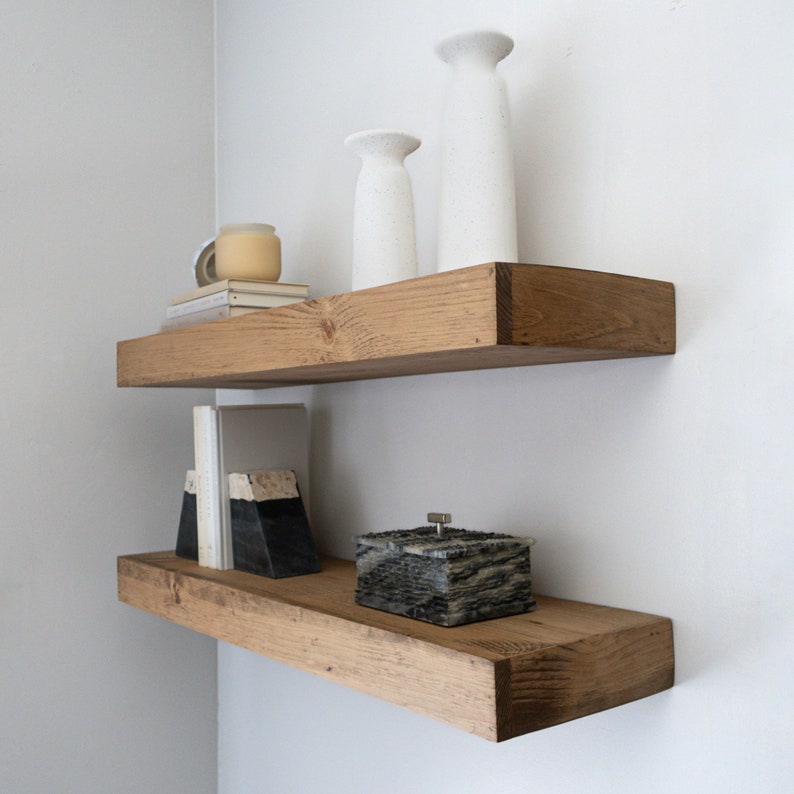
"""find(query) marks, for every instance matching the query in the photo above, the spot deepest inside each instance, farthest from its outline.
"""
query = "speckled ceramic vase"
(384, 232)
(477, 204)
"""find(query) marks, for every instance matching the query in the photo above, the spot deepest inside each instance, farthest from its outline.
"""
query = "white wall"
(106, 189)
(652, 139)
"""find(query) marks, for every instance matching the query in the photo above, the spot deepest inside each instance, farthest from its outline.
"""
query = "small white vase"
(477, 203)
(384, 232)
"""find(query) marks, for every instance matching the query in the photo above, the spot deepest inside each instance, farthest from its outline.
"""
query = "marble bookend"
(187, 536)
(270, 530)
(460, 577)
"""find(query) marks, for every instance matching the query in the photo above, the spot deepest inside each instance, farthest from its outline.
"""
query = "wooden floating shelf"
(497, 679)
(481, 317)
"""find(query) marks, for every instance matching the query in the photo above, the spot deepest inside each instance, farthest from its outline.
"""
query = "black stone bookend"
(187, 536)
(270, 530)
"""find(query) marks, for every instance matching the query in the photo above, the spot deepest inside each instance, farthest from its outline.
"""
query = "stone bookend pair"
(271, 535)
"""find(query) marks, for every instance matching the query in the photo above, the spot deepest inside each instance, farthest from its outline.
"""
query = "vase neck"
(386, 146)
(476, 49)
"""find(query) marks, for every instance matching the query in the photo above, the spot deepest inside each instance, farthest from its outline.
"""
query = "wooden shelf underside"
(497, 679)
(481, 317)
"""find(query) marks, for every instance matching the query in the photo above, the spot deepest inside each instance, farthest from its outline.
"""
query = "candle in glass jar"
(248, 250)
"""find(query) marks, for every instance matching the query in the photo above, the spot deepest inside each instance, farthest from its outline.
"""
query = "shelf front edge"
(353, 335)
(455, 688)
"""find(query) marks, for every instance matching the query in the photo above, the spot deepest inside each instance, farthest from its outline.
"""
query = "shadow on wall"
(557, 145)
(337, 501)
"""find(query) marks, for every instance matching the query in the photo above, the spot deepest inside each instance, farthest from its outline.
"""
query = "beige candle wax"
(248, 250)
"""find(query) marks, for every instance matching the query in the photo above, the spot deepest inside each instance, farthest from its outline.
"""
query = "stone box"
(461, 576)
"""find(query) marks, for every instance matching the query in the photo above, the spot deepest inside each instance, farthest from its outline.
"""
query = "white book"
(264, 300)
(243, 285)
(237, 438)
(207, 316)
(208, 515)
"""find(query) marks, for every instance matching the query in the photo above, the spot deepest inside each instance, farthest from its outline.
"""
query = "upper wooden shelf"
(481, 317)
(498, 679)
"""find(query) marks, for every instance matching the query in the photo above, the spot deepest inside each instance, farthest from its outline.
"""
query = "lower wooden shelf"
(497, 679)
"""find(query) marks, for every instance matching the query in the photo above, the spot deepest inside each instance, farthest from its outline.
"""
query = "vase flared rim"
(397, 140)
(492, 44)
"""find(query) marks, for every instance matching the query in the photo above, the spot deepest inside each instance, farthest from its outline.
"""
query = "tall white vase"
(477, 203)
(384, 232)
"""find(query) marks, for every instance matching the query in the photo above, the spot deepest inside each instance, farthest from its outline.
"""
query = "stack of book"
(229, 298)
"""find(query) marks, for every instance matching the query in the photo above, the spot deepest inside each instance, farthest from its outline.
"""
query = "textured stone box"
(460, 576)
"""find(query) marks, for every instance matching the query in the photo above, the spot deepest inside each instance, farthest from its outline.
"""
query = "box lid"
(455, 542)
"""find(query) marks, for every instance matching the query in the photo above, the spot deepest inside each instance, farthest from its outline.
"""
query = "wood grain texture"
(486, 316)
(581, 309)
(496, 679)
